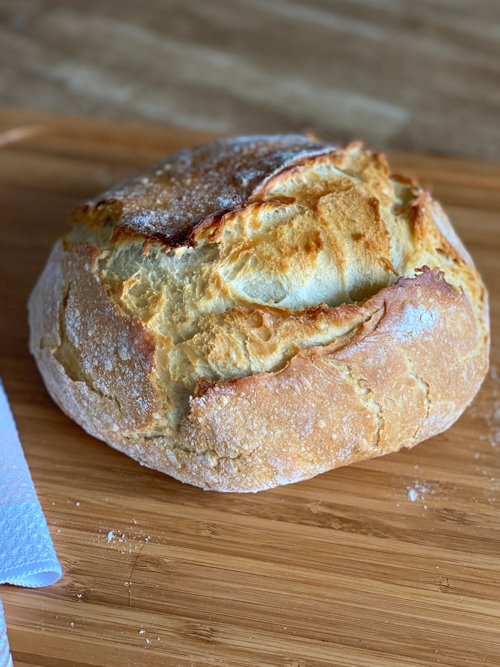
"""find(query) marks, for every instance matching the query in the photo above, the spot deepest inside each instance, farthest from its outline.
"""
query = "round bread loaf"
(255, 311)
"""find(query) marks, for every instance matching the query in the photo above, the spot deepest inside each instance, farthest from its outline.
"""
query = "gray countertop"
(421, 76)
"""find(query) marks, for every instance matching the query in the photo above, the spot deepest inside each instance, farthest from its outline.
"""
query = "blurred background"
(419, 75)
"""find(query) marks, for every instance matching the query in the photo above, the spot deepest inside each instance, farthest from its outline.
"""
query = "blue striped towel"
(27, 556)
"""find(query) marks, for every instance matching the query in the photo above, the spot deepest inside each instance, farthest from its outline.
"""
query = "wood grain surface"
(411, 75)
(343, 570)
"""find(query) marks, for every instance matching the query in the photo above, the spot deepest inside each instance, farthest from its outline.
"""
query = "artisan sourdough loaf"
(255, 311)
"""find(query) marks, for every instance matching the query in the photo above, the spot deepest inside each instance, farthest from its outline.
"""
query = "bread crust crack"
(67, 355)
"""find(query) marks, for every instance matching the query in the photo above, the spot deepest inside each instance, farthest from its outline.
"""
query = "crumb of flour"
(414, 492)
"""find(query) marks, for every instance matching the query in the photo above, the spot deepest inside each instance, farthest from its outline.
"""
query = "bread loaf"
(256, 311)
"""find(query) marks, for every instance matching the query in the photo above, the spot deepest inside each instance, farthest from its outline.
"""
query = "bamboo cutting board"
(389, 562)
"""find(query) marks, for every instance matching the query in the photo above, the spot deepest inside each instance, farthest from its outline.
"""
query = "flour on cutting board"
(129, 543)
(416, 491)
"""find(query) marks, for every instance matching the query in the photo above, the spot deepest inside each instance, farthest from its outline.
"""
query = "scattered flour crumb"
(72, 624)
(110, 535)
(415, 491)
(412, 494)
(77, 504)
(141, 632)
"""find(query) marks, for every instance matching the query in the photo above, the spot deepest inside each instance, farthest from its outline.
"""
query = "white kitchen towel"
(27, 555)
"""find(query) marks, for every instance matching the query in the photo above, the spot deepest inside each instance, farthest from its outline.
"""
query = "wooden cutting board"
(345, 569)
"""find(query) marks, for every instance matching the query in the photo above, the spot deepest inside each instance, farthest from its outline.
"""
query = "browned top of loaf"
(173, 198)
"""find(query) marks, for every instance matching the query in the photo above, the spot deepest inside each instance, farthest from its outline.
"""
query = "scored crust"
(254, 312)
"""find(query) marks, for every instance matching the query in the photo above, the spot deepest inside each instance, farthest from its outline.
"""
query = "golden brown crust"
(98, 364)
(175, 198)
(296, 329)
(418, 354)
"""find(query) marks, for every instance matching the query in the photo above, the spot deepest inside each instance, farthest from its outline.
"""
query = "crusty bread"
(256, 311)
